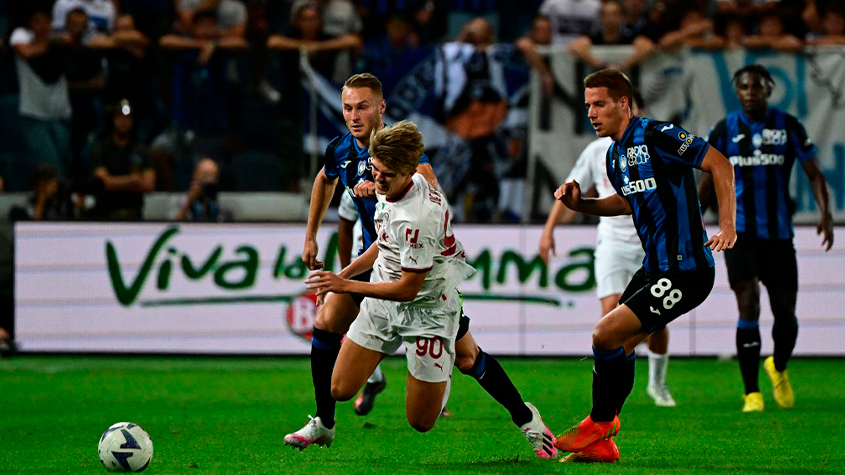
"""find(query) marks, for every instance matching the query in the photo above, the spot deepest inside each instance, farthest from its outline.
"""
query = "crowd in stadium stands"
(117, 98)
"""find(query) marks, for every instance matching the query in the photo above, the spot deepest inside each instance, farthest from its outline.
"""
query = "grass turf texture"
(228, 416)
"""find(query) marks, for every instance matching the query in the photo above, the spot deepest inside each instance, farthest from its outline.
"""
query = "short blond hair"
(365, 80)
(399, 147)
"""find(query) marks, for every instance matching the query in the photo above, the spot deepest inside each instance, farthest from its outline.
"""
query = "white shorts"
(615, 265)
(427, 333)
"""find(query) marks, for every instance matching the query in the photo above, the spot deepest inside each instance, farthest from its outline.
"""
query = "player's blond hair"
(365, 80)
(399, 147)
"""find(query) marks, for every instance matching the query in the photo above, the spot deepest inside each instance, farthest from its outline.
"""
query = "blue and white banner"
(470, 105)
(693, 89)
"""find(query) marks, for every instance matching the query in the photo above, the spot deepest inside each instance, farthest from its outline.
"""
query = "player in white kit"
(350, 240)
(412, 297)
(619, 254)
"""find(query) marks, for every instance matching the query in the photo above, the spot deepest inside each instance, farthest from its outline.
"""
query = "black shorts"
(657, 299)
(772, 261)
(362, 277)
(463, 325)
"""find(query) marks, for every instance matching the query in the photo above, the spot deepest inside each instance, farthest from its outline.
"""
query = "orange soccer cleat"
(587, 432)
(603, 451)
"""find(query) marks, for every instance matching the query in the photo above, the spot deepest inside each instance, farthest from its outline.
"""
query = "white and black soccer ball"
(125, 447)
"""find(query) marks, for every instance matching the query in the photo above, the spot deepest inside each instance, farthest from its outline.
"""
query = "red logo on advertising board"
(301, 314)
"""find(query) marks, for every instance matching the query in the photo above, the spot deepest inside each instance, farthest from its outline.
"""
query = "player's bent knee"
(335, 317)
(605, 339)
(421, 424)
(465, 363)
(342, 393)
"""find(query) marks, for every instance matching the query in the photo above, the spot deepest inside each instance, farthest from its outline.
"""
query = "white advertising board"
(238, 289)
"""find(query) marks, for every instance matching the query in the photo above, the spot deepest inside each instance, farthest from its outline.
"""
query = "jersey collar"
(631, 126)
(750, 121)
(404, 193)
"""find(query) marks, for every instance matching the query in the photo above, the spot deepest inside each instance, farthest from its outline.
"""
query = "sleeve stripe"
(419, 271)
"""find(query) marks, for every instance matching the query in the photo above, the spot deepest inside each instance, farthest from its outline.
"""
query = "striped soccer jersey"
(651, 167)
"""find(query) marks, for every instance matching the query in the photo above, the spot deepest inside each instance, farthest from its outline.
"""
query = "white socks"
(377, 376)
(657, 365)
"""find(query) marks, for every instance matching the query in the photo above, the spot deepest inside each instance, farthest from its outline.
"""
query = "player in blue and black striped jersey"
(348, 160)
(762, 144)
(650, 164)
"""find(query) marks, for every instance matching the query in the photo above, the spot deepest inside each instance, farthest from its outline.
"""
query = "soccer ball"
(125, 447)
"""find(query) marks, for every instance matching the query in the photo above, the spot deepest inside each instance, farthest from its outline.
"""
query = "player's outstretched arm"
(559, 214)
(364, 263)
(570, 194)
(427, 172)
(403, 290)
(819, 184)
(706, 196)
(321, 195)
(723, 179)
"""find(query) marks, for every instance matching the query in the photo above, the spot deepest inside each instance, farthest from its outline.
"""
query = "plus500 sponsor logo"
(639, 186)
(757, 160)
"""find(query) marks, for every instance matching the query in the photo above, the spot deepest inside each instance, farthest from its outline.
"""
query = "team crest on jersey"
(362, 167)
(623, 163)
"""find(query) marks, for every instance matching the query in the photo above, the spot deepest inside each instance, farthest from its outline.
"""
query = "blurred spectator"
(230, 15)
(308, 34)
(199, 112)
(747, 8)
(390, 56)
(730, 34)
(305, 36)
(427, 18)
(129, 71)
(472, 106)
(611, 31)
(664, 16)
(202, 204)
(123, 172)
(44, 103)
(773, 36)
(154, 18)
(833, 27)
(339, 20)
(540, 34)
(49, 201)
(636, 16)
(462, 12)
(257, 34)
(101, 14)
(86, 81)
(695, 30)
(570, 18)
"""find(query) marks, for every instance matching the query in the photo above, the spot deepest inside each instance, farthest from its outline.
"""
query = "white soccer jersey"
(589, 170)
(415, 235)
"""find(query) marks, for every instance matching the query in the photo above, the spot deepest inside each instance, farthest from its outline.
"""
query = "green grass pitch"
(229, 415)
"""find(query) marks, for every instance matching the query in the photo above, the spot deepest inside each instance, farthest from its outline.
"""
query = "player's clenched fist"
(569, 193)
